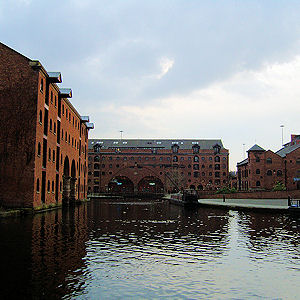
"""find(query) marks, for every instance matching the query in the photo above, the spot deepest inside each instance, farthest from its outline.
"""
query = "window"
(269, 172)
(48, 186)
(53, 155)
(51, 97)
(203, 174)
(257, 171)
(279, 173)
(217, 174)
(217, 167)
(196, 149)
(39, 149)
(63, 110)
(298, 160)
(175, 159)
(96, 166)
(55, 101)
(50, 125)
(258, 183)
(42, 85)
(203, 166)
(196, 174)
(96, 158)
(269, 160)
(52, 186)
(196, 158)
(37, 185)
(41, 117)
(217, 159)
(49, 154)
(175, 148)
(257, 159)
(96, 174)
(196, 167)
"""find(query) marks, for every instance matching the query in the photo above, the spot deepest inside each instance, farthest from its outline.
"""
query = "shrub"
(279, 186)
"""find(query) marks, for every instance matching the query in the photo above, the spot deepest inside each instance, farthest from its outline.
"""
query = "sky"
(170, 69)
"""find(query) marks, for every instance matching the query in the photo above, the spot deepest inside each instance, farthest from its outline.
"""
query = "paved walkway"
(247, 203)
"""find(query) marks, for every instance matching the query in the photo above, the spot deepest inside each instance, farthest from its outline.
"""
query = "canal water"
(115, 249)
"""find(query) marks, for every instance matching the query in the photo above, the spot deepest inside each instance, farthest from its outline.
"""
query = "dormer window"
(217, 148)
(175, 148)
(97, 148)
(196, 148)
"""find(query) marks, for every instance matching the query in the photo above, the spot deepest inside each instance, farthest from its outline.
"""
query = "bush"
(226, 190)
(279, 186)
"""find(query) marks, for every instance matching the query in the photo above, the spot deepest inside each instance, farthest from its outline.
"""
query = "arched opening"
(66, 181)
(150, 184)
(121, 184)
(200, 187)
(73, 182)
(192, 187)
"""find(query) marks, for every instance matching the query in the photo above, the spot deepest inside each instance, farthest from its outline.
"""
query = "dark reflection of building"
(270, 231)
(44, 252)
(200, 232)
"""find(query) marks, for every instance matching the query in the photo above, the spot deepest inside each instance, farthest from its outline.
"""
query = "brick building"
(43, 139)
(156, 166)
(262, 169)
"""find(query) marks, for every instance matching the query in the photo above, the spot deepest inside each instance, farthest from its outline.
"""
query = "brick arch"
(150, 184)
(135, 173)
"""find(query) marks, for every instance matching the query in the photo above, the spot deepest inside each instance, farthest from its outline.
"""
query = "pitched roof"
(256, 148)
(154, 143)
(288, 149)
(243, 162)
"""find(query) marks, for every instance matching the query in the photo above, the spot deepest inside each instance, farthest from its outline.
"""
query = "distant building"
(157, 166)
(43, 139)
(263, 169)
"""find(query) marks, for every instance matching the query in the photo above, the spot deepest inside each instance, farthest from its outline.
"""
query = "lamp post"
(121, 131)
(282, 126)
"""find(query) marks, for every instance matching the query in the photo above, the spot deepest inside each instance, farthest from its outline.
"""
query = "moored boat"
(184, 198)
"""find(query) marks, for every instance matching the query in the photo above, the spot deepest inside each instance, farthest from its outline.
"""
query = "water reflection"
(120, 249)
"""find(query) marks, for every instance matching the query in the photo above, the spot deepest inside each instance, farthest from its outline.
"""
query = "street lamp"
(282, 126)
(121, 131)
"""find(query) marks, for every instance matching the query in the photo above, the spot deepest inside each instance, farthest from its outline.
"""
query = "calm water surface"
(150, 250)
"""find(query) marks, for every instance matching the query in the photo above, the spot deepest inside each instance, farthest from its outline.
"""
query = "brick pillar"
(66, 189)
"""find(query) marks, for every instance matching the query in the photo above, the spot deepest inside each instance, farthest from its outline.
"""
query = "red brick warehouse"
(43, 139)
(156, 166)
(263, 169)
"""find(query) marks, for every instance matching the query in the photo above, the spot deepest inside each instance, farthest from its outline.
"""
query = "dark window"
(96, 173)
(196, 158)
(38, 185)
(196, 174)
(39, 149)
(217, 174)
(203, 166)
(175, 158)
(96, 166)
(258, 183)
(196, 149)
(279, 173)
(48, 187)
(217, 158)
(217, 167)
(257, 159)
(269, 172)
(196, 167)
(257, 171)
(269, 160)
(42, 85)
(96, 158)
(41, 117)
(203, 174)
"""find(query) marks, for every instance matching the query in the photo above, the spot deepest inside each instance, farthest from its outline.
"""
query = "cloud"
(246, 108)
(165, 65)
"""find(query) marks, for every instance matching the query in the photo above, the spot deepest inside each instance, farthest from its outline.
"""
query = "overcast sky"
(170, 69)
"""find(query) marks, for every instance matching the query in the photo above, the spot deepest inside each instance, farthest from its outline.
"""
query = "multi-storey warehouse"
(43, 139)
(140, 165)
(264, 169)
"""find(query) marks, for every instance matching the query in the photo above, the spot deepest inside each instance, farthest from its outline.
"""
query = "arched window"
(39, 149)
(269, 160)
(217, 167)
(51, 97)
(49, 154)
(269, 172)
(196, 149)
(257, 171)
(175, 148)
(37, 185)
(175, 158)
(48, 186)
(217, 159)
(203, 174)
(196, 158)
(217, 174)
(258, 183)
(196, 174)
(96, 166)
(279, 173)
(196, 167)
(50, 125)
(96, 158)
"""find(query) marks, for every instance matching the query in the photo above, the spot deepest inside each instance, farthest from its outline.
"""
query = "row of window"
(257, 171)
(175, 158)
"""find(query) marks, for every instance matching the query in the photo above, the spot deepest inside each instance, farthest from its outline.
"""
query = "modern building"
(263, 169)
(156, 166)
(43, 139)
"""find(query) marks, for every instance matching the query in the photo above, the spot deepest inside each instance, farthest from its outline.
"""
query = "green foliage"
(279, 186)
(226, 190)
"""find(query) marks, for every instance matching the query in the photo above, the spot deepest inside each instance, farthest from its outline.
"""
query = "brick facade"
(262, 170)
(43, 139)
(156, 166)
